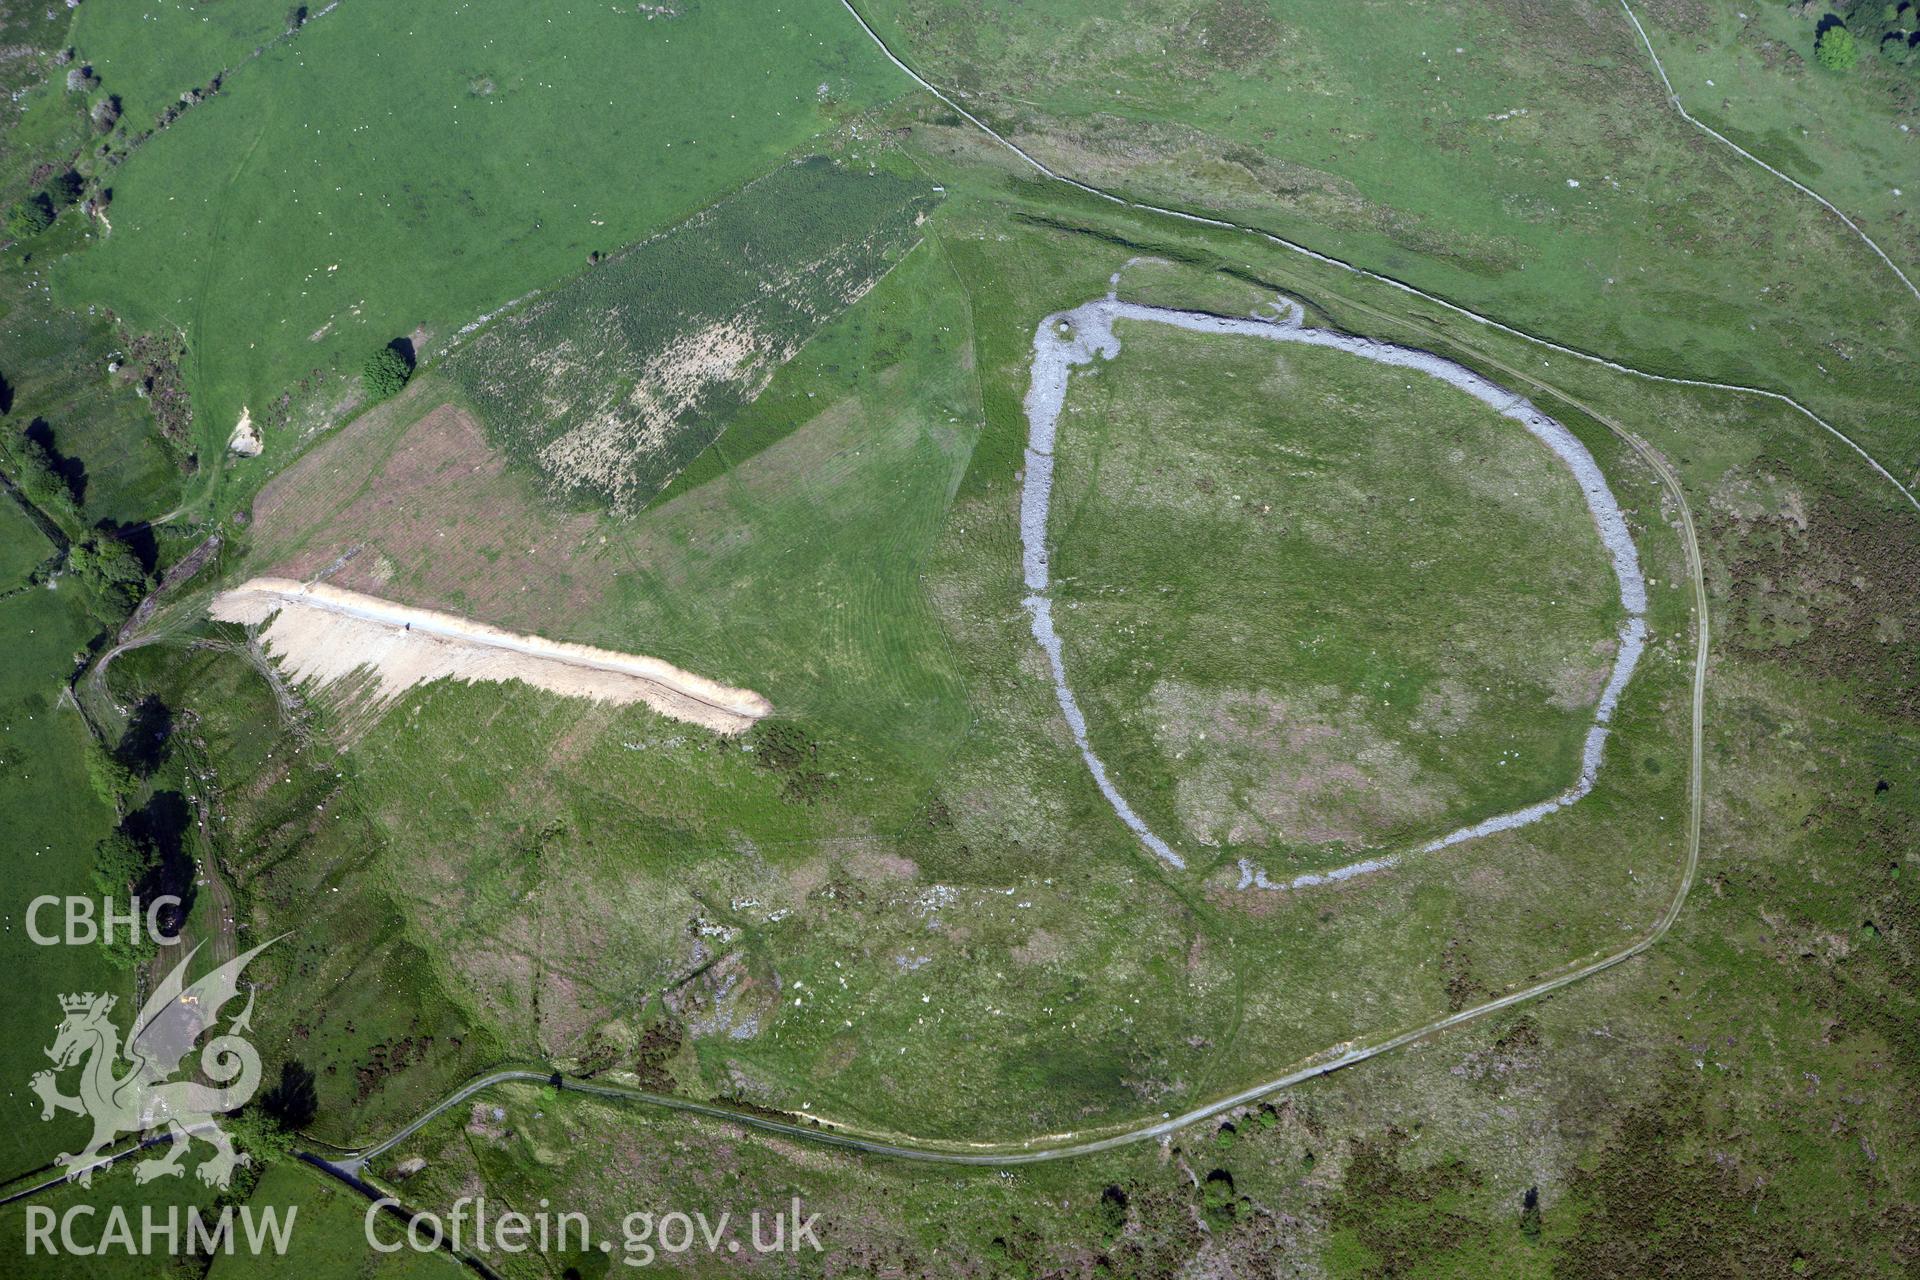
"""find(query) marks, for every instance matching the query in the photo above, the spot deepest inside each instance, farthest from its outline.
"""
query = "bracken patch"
(611, 384)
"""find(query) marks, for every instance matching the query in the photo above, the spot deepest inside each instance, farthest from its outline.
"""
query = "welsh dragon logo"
(144, 1095)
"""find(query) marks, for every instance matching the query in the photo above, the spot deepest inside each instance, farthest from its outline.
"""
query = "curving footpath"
(351, 1166)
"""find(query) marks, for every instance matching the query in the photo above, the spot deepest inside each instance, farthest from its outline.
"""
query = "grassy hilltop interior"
(1389, 618)
(901, 903)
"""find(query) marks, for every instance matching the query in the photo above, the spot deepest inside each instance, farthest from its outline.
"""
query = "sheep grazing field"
(410, 168)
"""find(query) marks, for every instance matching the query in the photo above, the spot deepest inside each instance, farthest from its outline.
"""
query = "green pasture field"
(1389, 617)
(112, 1186)
(901, 902)
(329, 1236)
(355, 995)
(52, 818)
(49, 808)
(797, 573)
(1440, 144)
(1726, 1149)
(53, 364)
(56, 361)
(611, 384)
(23, 548)
(149, 52)
(37, 117)
(486, 158)
(1805, 835)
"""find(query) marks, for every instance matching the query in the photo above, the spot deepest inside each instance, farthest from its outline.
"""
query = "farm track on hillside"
(350, 1164)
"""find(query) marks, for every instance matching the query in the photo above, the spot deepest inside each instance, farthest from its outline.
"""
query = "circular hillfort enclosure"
(1068, 338)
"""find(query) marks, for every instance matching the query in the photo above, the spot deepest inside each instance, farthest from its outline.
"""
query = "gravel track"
(1055, 1147)
(1066, 1146)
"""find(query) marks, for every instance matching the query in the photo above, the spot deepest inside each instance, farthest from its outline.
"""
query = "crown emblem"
(144, 1095)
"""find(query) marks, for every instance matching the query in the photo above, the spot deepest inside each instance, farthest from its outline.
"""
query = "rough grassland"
(1735, 1101)
(329, 1237)
(355, 996)
(34, 117)
(409, 501)
(488, 153)
(919, 913)
(1513, 157)
(1748, 71)
(99, 429)
(914, 852)
(22, 545)
(612, 384)
(112, 1188)
(1388, 616)
(51, 818)
(53, 364)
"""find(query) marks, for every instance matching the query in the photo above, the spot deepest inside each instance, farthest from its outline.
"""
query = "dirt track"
(327, 634)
